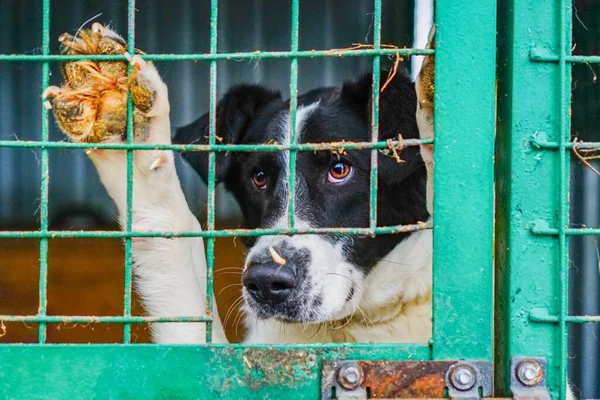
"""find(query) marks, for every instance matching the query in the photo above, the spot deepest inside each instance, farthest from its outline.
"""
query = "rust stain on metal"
(405, 380)
(275, 367)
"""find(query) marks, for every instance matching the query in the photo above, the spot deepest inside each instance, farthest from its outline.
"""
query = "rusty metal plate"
(400, 379)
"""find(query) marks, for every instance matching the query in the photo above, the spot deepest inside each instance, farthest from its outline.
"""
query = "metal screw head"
(350, 376)
(529, 372)
(463, 377)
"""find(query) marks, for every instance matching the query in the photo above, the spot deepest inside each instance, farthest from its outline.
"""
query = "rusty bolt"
(350, 376)
(529, 372)
(463, 377)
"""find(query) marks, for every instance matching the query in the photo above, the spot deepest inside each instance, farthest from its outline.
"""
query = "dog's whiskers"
(239, 318)
(231, 268)
(281, 328)
(219, 273)
(228, 287)
(365, 317)
(399, 263)
(318, 329)
(342, 275)
(231, 308)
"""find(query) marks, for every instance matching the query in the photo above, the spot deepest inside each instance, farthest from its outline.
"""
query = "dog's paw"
(91, 105)
(425, 81)
(424, 86)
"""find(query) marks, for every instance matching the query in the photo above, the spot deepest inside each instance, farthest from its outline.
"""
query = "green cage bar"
(212, 134)
(293, 110)
(224, 56)
(129, 195)
(564, 130)
(45, 178)
(375, 113)
(464, 179)
(216, 233)
(217, 147)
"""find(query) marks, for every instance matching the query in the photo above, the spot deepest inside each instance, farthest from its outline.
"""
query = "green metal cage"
(533, 156)
(479, 312)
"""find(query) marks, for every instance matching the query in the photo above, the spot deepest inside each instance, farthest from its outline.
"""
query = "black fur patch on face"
(255, 115)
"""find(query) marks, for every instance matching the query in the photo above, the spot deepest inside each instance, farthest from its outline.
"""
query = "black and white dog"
(299, 288)
(361, 288)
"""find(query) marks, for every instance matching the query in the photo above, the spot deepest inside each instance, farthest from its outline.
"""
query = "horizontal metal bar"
(540, 144)
(217, 233)
(224, 56)
(554, 58)
(545, 231)
(216, 147)
(329, 347)
(67, 319)
(207, 371)
(542, 315)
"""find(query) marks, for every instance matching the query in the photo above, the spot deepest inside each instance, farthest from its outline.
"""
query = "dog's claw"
(51, 91)
(97, 27)
(71, 42)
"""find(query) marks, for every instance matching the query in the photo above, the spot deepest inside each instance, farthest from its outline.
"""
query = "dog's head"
(312, 278)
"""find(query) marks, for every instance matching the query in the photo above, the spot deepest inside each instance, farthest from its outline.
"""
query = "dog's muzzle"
(274, 274)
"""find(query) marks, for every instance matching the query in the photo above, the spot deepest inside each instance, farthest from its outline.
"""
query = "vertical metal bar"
(463, 219)
(530, 102)
(564, 120)
(375, 113)
(212, 126)
(129, 197)
(293, 109)
(45, 177)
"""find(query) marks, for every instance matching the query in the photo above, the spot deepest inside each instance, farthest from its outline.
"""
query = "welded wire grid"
(565, 147)
(44, 234)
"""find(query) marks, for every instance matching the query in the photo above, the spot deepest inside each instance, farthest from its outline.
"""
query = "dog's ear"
(397, 108)
(235, 112)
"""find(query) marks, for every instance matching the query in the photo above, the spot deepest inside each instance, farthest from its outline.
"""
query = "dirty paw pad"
(91, 105)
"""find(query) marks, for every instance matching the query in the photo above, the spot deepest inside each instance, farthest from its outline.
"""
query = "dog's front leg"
(170, 274)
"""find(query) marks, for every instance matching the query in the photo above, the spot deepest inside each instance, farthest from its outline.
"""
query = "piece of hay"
(584, 159)
(361, 46)
(276, 257)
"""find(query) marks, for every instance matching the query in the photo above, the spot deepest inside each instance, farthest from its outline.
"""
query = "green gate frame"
(463, 230)
(533, 156)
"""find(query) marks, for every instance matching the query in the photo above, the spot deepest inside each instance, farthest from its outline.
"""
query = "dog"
(298, 288)
(349, 289)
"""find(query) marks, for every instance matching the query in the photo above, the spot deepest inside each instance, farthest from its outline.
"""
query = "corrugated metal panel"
(584, 345)
(167, 27)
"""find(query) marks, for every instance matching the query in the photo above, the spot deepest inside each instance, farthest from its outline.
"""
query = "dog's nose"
(269, 281)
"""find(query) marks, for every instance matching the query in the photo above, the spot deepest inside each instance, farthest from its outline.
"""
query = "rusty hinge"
(352, 380)
(528, 378)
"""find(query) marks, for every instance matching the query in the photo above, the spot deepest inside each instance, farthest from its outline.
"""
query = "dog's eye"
(260, 179)
(339, 172)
